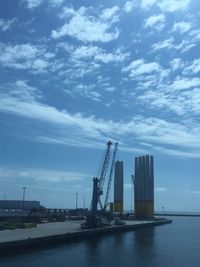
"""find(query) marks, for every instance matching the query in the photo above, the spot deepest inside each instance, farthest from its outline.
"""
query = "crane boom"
(104, 168)
(98, 182)
(110, 176)
(92, 219)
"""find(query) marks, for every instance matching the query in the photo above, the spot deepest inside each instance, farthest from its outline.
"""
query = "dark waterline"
(176, 244)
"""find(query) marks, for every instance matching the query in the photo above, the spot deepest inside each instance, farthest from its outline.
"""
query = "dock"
(57, 232)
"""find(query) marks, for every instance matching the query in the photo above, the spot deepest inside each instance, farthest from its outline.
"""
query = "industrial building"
(118, 187)
(144, 187)
(19, 204)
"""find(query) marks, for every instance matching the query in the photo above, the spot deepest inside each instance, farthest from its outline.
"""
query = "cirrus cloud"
(84, 27)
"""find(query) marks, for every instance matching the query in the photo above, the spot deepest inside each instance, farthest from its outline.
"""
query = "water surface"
(176, 244)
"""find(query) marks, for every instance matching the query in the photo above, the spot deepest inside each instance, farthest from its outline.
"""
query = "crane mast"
(99, 182)
(105, 166)
(110, 176)
(92, 219)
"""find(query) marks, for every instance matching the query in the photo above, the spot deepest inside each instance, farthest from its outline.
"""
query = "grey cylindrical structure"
(118, 187)
(144, 187)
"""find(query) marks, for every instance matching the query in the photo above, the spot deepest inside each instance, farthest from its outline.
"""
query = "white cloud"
(139, 67)
(110, 89)
(173, 5)
(176, 64)
(195, 34)
(181, 102)
(184, 46)
(164, 44)
(98, 54)
(110, 14)
(32, 3)
(194, 192)
(88, 28)
(185, 83)
(166, 5)
(7, 24)
(21, 90)
(182, 26)
(75, 69)
(56, 2)
(147, 3)
(187, 47)
(155, 22)
(91, 131)
(160, 131)
(50, 176)
(36, 3)
(128, 6)
(194, 67)
(86, 51)
(192, 101)
(180, 95)
(84, 90)
(160, 189)
(24, 56)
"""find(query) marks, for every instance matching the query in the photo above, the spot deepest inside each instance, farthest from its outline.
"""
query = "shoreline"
(67, 234)
(177, 214)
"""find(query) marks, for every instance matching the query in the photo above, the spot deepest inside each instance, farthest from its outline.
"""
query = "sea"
(170, 245)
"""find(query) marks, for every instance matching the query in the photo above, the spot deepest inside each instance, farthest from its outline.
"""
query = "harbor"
(64, 232)
(27, 224)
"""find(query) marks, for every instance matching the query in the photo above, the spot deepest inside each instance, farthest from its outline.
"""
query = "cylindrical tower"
(144, 187)
(118, 187)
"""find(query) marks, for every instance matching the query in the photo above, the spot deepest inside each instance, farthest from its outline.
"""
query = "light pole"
(24, 191)
(76, 201)
(163, 210)
(132, 191)
(84, 202)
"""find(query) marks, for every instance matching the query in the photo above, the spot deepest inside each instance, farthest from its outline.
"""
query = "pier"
(64, 232)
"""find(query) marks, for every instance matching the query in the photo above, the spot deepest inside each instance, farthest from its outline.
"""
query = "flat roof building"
(19, 204)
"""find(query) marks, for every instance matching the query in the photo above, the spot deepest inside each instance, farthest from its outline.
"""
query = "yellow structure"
(118, 206)
(144, 209)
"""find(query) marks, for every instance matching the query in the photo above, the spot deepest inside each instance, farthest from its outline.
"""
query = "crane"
(92, 220)
(110, 176)
(99, 182)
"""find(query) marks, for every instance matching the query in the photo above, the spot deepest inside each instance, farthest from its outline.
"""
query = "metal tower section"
(144, 187)
(95, 196)
(118, 187)
(99, 182)
(92, 218)
(110, 176)
(104, 167)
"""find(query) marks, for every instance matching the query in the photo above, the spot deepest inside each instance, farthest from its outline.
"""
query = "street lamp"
(132, 191)
(24, 190)
(76, 201)
(84, 202)
(163, 209)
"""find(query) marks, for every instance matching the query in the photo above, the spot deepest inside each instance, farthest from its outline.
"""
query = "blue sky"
(75, 74)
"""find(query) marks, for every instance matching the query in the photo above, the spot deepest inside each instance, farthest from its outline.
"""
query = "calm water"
(176, 244)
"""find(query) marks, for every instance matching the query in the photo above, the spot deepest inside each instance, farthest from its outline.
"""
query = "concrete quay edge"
(77, 235)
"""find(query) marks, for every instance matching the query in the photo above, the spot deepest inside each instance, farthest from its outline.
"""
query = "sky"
(76, 74)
